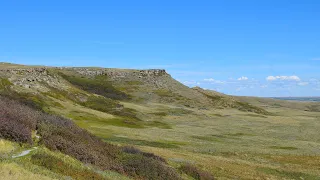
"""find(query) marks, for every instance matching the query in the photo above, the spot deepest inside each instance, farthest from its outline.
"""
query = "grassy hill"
(143, 124)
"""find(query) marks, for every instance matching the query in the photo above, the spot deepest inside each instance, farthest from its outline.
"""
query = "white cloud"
(210, 79)
(191, 83)
(243, 78)
(213, 81)
(303, 83)
(283, 78)
(240, 89)
(271, 78)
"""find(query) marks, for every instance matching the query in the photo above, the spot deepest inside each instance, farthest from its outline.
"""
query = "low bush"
(143, 167)
(16, 121)
(195, 172)
(133, 150)
(58, 166)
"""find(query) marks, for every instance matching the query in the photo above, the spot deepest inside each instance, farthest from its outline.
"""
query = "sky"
(248, 47)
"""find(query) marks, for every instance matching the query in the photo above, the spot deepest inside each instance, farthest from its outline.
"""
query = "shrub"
(16, 121)
(143, 167)
(58, 166)
(61, 134)
(195, 172)
(133, 150)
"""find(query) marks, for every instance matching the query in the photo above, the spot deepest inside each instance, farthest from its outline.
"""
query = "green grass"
(209, 138)
(159, 144)
(97, 85)
(158, 124)
(289, 174)
(255, 115)
(4, 83)
(86, 119)
(284, 147)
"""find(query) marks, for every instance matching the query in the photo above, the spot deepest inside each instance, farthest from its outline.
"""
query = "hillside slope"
(114, 123)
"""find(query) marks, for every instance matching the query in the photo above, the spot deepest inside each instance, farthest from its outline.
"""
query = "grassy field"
(230, 144)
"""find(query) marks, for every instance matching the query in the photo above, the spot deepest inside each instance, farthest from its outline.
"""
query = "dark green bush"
(195, 172)
(133, 150)
(143, 167)
(97, 85)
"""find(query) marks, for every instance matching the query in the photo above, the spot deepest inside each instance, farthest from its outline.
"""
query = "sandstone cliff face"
(31, 77)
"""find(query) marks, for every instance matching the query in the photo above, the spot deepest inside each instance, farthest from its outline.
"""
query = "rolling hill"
(102, 123)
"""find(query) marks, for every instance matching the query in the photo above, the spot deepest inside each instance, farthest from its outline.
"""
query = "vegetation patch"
(288, 174)
(59, 134)
(209, 138)
(91, 119)
(221, 137)
(4, 84)
(243, 106)
(56, 165)
(16, 121)
(178, 111)
(283, 147)
(255, 115)
(143, 167)
(97, 85)
(110, 106)
(161, 114)
(6, 147)
(164, 93)
(158, 124)
(195, 172)
(216, 114)
(138, 142)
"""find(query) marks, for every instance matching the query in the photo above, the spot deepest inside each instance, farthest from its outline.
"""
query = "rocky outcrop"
(117, 73)
(30, 77)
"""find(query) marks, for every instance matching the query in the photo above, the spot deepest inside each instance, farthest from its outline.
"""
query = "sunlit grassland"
(229, 143)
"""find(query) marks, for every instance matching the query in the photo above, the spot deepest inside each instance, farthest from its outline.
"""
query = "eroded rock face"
(31, 77)
(116, 73)
(35, 78)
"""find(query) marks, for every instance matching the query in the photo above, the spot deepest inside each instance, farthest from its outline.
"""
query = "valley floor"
(228, 143)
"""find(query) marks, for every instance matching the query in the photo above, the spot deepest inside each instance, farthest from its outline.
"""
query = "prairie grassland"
(42, 163)
(228, 143)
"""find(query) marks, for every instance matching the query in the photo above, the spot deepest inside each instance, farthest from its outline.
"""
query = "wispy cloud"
(283, 78)
(243, 78)
(303, 83)
(189, 83)
(214, 81)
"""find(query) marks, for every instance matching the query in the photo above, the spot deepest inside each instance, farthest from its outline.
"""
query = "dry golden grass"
(12, 171)
(6, 147)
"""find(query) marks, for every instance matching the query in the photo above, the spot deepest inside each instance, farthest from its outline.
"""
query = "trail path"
(24, 153)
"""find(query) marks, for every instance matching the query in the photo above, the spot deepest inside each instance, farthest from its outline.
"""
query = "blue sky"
(257, 48)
